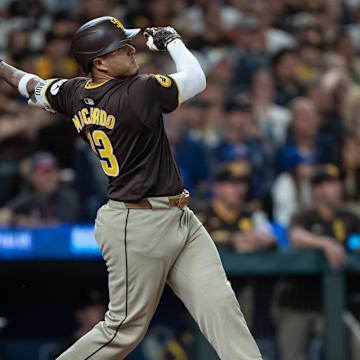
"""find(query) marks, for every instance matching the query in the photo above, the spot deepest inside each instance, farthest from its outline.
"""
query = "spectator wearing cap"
(47, 201)
(330, 228)
(244, 140)
(235, 226)
(229, 219)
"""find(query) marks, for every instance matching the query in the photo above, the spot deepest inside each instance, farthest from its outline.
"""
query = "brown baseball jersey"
(304, 292)
(222, 226)
(122, 121)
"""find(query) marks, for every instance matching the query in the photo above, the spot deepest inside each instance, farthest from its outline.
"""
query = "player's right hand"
(158, 38)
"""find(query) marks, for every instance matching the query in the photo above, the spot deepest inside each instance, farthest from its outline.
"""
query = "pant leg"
(138, 252)
(293, 333)
(198, 279)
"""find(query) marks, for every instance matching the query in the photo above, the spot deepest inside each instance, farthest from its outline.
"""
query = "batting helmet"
(99, 37)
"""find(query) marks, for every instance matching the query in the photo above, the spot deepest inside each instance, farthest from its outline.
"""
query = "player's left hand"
(158, 38)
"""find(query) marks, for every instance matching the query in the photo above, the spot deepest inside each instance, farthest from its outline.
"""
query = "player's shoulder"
(54, 86)
(152, 81)
(74, 82)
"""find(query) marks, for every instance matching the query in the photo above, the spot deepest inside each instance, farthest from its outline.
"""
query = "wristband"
(23, 83)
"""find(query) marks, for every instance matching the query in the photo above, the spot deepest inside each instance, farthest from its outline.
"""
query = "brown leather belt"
(174, 201)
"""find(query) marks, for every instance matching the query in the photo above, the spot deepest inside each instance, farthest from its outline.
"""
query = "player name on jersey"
(95, 116)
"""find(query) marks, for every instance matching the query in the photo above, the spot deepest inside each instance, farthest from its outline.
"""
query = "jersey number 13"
(102, 147)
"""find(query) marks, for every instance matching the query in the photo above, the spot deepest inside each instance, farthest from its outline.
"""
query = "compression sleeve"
(189, 76)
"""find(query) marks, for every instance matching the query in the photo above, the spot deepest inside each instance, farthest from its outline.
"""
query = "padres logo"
(163, 80)
(339, 230)
(244, 224)
(117, 23)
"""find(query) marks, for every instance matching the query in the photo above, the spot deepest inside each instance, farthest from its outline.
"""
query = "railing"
(297, 262)
(76, 242)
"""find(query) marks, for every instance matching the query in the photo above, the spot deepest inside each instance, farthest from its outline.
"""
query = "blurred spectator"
(325, 226)
(203, 16)
(309, 67)
(209, 109)
(344, 47)
(304, 138)
(18, 41)
(244, 140)
(56, 61)
(91, 9)
(33, 8)
(221, 71)
(231, 223)
(350, 167)
(267, 13)
(292, 189)
(212, 34)
(89, 310)
(306, 27)
(152, 13)
(47, 201)
(331, 120)
(333, 15)
(235, 226)
(194, 116)
(272, 119)
(250, 52)
(64, 24)
(285, 66)
(191, 155)
(93, 191)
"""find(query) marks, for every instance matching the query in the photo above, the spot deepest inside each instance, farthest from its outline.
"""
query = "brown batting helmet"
(99, 37)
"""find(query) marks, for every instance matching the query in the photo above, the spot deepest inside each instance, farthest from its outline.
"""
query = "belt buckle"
(181, 198)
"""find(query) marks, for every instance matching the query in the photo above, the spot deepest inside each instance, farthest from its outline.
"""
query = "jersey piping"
(87, 86)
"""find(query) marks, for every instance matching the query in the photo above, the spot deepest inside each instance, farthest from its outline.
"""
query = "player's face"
(232, 194)
(329, 192)
(121, 62)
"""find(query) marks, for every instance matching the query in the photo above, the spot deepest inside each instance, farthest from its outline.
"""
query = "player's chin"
(129, 71)
(134, 69)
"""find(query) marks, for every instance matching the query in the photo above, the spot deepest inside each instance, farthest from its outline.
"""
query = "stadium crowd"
(274, 140)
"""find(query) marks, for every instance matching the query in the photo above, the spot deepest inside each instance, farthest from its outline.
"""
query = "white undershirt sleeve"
(189, 76)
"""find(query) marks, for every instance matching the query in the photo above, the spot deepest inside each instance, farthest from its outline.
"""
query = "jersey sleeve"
(57, 94)
(152, 95)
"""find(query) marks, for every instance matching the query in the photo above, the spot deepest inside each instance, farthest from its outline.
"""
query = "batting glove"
(158, 38)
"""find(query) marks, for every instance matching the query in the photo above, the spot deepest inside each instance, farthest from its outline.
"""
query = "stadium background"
(282, 98)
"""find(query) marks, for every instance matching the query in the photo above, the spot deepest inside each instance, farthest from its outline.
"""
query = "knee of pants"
(134, 325)
(113, 320)
(221, 298)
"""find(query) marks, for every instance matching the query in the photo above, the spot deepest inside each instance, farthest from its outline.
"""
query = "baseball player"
(147, 234)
